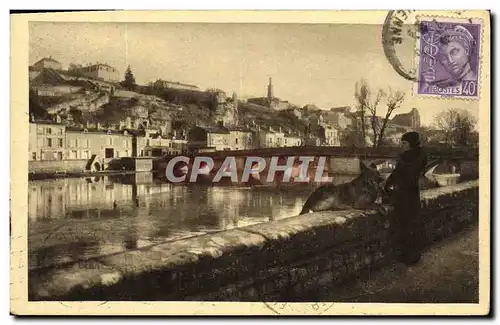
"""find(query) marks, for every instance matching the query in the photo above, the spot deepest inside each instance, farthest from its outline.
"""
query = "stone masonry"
(275, 261)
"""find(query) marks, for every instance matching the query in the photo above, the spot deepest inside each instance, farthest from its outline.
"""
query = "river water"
(75, 218)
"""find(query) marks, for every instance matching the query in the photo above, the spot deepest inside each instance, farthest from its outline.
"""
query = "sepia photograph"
(284, 162)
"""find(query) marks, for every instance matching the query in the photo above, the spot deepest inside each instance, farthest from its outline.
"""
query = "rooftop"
(215, 129)
(96, 130)
(96, 65)
(239, 128)
(46, 122)
(176, 83)
(50, 59)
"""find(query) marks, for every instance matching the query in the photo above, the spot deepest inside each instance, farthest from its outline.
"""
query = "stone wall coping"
(184, 253)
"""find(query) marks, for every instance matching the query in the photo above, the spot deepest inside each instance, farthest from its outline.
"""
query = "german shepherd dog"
(360, 193)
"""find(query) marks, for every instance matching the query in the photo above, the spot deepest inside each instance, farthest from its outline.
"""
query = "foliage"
(35, 106)
(352, 137)
(129, 81)
(457, 126)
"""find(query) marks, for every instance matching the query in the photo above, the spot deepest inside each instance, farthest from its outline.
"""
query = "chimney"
(280, 129)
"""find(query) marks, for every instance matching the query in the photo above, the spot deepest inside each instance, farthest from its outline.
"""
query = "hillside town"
(84, 112)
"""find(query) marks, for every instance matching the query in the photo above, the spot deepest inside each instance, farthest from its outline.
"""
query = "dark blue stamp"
(449, 59)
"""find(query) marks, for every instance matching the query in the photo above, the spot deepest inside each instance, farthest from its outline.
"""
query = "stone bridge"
(345, 160)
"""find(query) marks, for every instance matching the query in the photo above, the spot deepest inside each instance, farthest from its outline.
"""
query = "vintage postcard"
(250, 163)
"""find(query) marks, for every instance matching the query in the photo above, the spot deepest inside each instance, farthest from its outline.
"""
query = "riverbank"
(57, 175)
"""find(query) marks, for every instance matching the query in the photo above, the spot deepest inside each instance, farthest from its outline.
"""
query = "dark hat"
(413, 138)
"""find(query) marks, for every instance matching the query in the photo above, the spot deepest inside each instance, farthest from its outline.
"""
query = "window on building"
(110, 141)
(88, 143)
(48, 130)
(109, 153)
(49, 142)
(285, 140)
(33, 156)
(236, 140)
(59, 155)
(61, 143)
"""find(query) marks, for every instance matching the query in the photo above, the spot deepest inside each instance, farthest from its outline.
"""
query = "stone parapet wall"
(279, 260)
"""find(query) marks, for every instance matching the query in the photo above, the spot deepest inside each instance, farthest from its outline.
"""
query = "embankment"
(280, 260)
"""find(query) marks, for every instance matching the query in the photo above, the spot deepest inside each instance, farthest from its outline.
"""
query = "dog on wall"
(361, 193)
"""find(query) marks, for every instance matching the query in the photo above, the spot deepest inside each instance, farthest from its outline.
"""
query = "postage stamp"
(448, 60)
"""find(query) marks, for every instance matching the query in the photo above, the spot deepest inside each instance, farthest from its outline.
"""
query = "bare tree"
(394, 101)
(457, 126)
(368, 106)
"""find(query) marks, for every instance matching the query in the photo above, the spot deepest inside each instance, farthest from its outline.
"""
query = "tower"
(270, 94)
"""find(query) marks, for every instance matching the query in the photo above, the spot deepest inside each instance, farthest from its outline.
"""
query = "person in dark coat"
(407, 231)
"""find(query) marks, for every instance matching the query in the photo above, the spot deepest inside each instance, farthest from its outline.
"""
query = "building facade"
(100, 71)
(292, 140)
(83, 143)
(46, 141)
(410, 119)
(48, 63)
(336, 119)
(329, 136)
(269, 137)
(217, 137)
(240, 138)
(157, 146)
(173, 85)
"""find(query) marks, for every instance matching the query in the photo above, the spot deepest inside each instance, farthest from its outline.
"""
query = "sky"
(309, 63)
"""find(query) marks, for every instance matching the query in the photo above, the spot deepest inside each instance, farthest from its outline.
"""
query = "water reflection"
(80, 217)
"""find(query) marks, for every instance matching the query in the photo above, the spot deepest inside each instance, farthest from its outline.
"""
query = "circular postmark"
(399, 37)
(287, 308)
